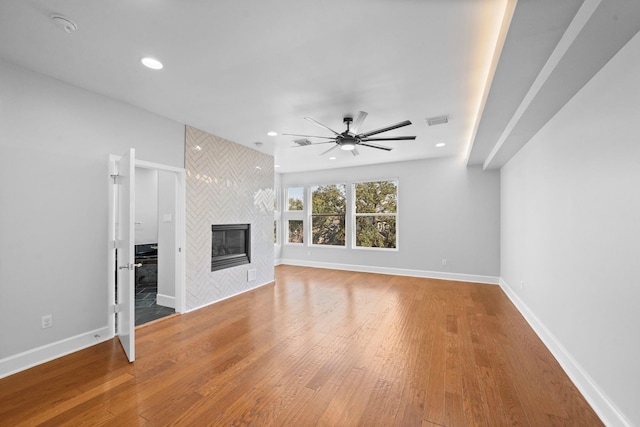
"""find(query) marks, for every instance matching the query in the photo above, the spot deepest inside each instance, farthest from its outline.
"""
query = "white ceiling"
(239, 69)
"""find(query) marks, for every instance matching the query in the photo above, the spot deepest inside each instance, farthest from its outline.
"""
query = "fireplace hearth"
(230, 245)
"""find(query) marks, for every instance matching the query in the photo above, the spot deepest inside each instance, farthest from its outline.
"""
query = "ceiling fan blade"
(377, 131)
(321, 125)
(332, 148)
(358, 121)
(391, 138)
(355, 152)
(309, 136)
(315, 143)
(381, 147)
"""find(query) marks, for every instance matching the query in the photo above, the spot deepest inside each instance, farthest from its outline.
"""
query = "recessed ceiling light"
(272, 133)
(440, 144)
(152, 63)
(332, 158)
(276, 166)
(258, 167)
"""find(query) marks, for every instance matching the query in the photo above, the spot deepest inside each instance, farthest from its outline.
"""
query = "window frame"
(310, 215)
(286, 198)
(293, 215)
(355, 215)
(277, 217)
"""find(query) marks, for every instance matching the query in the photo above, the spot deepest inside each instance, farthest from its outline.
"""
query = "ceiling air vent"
(438, 120)
(302, 142)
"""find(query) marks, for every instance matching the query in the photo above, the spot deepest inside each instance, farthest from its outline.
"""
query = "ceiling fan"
(350, 138)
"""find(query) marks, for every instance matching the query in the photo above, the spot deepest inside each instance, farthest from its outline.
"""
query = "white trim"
(355, 215)
(230, 296)
(598, 400)
(180, 239)
(460, 277)
(166, 301)
(30, 358)
(111, 241)
(151, 165)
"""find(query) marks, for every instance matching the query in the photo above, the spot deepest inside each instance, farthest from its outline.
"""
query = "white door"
(126, 254)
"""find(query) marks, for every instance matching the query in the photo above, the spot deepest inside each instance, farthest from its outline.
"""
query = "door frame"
(179, 260)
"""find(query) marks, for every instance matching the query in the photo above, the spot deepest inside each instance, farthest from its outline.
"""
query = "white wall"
(571, 235)
(146, 222)
(446, 211)
(55, 140)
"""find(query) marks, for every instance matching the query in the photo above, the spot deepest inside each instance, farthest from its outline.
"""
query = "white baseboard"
(227, 297)
(474, 278)
(607, 412)
(28, 359)
(277, 262)
(166, 301)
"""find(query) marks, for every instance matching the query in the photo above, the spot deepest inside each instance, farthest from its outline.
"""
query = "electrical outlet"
(47, 321)
(521, 284)
(444, 262)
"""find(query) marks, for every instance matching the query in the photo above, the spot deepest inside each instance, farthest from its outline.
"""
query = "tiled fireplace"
(227, 183)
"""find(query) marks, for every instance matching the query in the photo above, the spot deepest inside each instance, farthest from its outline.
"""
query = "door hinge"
(116, 308)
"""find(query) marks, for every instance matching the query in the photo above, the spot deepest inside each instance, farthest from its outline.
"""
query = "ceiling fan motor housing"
(349, 139)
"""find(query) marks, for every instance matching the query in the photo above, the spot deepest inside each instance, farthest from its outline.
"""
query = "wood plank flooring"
(317, 348)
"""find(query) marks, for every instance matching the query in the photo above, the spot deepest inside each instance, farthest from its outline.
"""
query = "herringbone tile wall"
(227, 183)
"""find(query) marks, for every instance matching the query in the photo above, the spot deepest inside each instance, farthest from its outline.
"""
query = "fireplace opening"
(230, 245)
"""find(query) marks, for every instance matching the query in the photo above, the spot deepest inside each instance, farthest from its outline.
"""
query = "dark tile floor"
(146, 292)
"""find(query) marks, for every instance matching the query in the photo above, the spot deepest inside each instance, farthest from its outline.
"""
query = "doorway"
(153, 248)
(155, 212)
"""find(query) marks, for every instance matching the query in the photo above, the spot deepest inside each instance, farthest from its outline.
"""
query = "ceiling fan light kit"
(350, 138)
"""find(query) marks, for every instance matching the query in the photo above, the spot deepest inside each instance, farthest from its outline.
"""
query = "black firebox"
(230, 245)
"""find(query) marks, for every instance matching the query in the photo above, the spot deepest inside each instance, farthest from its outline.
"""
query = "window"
(328, 209)
(376, 206)
(295, 198)
(293, 215)
(296, 233)
(275, 231)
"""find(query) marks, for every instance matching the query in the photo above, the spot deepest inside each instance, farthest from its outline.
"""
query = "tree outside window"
(376, 205)
(295, 228)
(295, 198)
(328, 210)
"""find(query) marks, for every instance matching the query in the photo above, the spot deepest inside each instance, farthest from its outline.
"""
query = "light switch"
(167, 218)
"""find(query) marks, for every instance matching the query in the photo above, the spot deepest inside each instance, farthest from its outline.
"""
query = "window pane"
(328, 207)
(376, 231)
(329, 199)
(295, 231)
(327, 230)
(295, 198)
(376, 197)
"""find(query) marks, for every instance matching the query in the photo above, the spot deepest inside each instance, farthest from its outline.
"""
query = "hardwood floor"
(317, 348)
